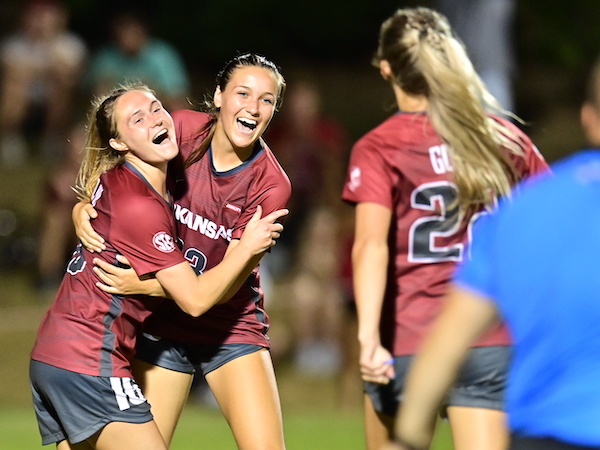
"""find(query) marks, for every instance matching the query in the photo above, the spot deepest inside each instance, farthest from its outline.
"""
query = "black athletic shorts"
(187, 358)
(480, 383)
(74, 406)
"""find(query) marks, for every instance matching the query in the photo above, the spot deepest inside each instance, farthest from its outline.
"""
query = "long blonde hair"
(427, 59)
(99, 156)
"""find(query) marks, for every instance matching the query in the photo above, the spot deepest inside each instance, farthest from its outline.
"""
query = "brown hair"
(223, 78)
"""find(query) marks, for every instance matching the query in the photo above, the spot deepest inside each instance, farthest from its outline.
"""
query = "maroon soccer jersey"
(211, 208)
(404, 166)
(87, 330)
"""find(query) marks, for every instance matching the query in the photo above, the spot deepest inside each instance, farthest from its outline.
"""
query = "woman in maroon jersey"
(419, 180)
(226, 170)
(84, 393)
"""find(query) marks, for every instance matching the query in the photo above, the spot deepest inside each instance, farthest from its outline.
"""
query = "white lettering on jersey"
(201, 224)
(237, 209)
(440, 160)
(77, 262)
(163, 242)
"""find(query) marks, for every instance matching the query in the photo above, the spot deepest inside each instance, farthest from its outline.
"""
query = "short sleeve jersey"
(536, 260)
(404, 166)
(211, 208)
(87, 330)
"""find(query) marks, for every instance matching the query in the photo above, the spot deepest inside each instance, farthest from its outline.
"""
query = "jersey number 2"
(441, 197)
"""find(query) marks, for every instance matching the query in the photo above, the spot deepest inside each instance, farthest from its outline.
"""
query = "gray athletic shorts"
(74, 406)
(187, 358)
(480, 383)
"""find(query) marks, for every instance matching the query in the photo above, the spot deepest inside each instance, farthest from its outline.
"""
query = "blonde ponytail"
(426, 59)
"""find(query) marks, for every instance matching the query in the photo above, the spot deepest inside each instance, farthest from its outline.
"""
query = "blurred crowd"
(49, 74)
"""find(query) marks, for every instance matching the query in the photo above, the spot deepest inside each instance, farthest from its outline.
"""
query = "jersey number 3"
(197, 260)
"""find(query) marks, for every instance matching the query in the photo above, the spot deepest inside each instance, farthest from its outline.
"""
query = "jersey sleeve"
(535, 161)
(144, 234)
(272, 193)
(532, 162)
(368, 178)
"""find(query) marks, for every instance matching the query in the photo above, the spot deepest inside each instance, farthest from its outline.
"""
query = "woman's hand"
(261, 233)
(82, 215)
(118, 280)
(376, 364)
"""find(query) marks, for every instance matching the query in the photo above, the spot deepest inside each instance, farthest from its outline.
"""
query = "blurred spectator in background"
(41, 67)
(590, 108)
(57, 238)
(350, 382)
(134, 54)
(311, 147)
(485, 27)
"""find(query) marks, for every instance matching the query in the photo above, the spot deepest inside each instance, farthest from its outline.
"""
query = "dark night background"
(331, 43)
(555, 42)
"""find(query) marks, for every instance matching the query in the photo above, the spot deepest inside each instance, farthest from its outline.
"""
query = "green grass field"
(313, 417)
(206, 428)
(318, 414)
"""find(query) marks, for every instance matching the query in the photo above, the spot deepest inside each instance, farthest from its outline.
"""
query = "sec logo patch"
(163, 242)
(354, 181)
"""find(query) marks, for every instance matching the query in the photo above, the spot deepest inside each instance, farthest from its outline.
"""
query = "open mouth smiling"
(160, 137)
(247, 123)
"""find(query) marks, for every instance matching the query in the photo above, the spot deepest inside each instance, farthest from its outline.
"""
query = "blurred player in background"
(57, 236)
(486, 29)
(419, 181)
(135, 54)
(310, 144)
(42, 62)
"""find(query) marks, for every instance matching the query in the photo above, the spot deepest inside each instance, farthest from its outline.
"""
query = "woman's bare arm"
(464, 317)
(370, 256)
(196, 294)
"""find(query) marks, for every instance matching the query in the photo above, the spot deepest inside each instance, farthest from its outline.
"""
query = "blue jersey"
(536, 259)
